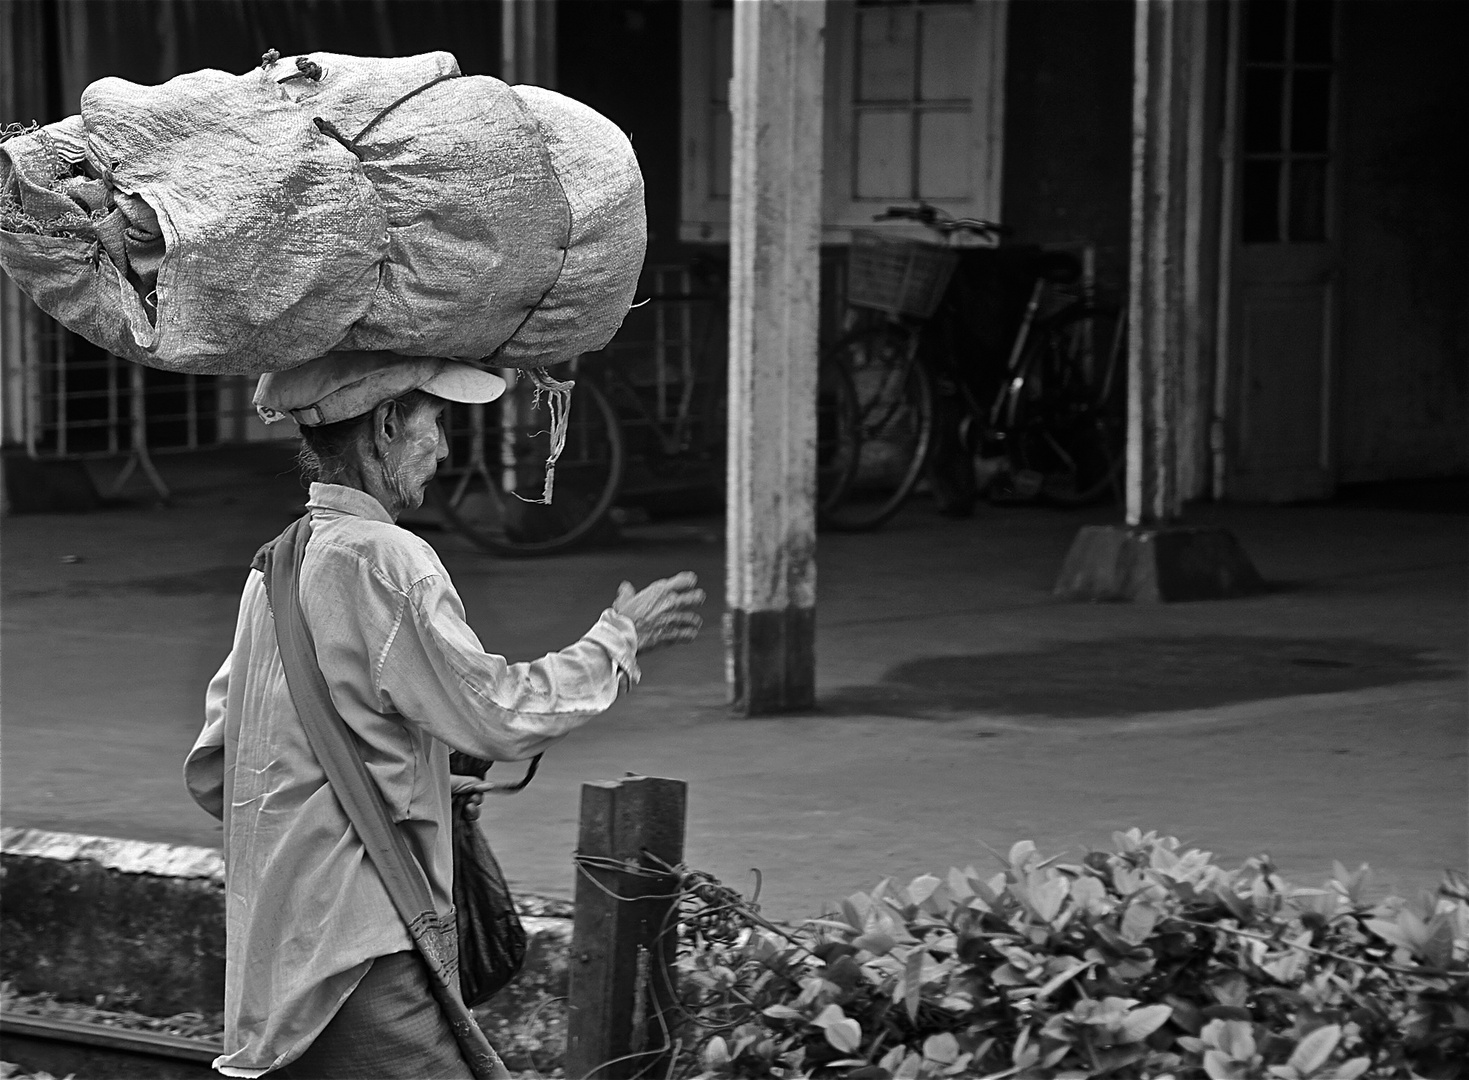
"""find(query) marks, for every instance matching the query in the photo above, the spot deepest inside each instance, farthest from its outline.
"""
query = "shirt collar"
(346, 500)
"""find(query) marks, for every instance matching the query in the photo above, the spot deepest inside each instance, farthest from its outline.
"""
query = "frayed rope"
(558, 399)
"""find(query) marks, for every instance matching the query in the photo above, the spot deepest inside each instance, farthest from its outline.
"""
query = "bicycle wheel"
(837, 443)
(496, 472)
(1068, 428)
(893, 407)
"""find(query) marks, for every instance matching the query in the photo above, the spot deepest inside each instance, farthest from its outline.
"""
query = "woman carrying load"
(322, 976)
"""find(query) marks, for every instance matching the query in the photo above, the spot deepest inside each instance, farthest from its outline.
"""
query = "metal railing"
(79, 401)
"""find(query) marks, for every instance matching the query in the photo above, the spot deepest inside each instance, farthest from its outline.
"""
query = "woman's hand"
(475, 789)
(663, 613)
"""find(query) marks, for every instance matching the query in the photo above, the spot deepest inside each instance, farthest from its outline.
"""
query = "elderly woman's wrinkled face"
(414, 454)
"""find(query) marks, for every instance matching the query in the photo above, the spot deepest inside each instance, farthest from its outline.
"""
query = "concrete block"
(141, 926)
(1152, 565)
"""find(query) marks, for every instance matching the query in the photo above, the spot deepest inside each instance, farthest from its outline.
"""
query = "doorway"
(1284, 251)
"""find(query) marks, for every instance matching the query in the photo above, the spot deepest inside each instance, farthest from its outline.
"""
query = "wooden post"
(1153, 558)
(622, 951)
(775, 232)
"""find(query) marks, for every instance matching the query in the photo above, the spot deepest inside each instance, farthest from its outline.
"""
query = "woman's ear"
(387, 425)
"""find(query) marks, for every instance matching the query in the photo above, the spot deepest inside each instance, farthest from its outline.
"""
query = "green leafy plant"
(1143, 961)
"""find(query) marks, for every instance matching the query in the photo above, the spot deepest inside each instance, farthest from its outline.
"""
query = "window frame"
(704, 216)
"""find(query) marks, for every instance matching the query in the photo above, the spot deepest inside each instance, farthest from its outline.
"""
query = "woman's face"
(414, 454)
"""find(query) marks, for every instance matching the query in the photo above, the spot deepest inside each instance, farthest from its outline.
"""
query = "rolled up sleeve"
(436, 674)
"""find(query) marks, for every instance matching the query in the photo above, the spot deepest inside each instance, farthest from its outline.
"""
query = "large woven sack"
(236, 224)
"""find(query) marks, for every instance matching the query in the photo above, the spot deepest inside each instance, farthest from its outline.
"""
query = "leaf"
(1087, 892)
(1140, 1023)
(1350, 1070)
(1438, 945)
(831, 924)
(893, 1059)
(1391, 933)
(782, 1012)
(960, 1065)
(910, 1069)
(942, 1048)
(1022, 853)
(1413, 928)
(832, 1014)
(1050, 1058)
(1130, 840)
(1047, 895)
(1138, 922)
(1312, 1051)
(922, 887)
(1185, 1014)
(1236, 1038)
(845, 972)
(716, 1053)
(913, 983)
(1059, 980)
(845, 1035)
(877, 943)
(1008, 975)
(1238, 906)
(1225, 1012)
(1116, 1057)
(1220, 1066)
(1231, 988)
(959, 885)
(1022, 1043)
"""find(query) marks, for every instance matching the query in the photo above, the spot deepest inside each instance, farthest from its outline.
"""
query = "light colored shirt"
(305, 911)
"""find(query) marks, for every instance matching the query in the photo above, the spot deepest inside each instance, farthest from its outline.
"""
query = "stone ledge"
(141, 926)
(111, 853)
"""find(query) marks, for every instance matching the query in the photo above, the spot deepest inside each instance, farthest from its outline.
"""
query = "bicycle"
(646, 431)
(492, 487)
(1046, 423)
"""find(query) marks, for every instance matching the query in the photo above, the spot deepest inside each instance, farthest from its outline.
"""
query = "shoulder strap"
(334, 746)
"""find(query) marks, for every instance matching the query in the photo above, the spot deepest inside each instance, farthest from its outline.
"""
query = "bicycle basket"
(900, 277)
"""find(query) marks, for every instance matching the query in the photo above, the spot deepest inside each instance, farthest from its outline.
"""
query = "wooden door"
(1284, 258)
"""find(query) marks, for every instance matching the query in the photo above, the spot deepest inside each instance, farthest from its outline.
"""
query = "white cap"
(341, 385)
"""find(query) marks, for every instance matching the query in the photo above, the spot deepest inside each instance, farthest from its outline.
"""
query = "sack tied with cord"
(237, 224)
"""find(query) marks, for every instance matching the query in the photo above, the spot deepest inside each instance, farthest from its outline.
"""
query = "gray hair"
(327, 449)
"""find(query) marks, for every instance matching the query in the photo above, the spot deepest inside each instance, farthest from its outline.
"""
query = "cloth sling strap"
(333, 744)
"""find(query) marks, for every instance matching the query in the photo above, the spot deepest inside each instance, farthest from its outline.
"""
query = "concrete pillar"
(1168, 58)
(1153, 557)
(775, 229)
(528, 42)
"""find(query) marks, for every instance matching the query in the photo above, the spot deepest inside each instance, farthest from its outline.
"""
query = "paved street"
(961, 705)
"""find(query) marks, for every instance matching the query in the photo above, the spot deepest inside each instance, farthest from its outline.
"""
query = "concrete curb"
(133, 925)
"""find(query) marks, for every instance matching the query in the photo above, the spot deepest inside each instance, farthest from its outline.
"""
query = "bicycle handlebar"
(941, 222)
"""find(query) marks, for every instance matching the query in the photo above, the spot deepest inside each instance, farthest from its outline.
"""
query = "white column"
(775, 230)
(528, 42)
(1163, 318)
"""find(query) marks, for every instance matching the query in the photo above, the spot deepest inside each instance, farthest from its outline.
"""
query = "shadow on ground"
(211, 581)
(1127, 676)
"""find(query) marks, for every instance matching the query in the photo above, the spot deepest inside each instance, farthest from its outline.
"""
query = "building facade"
(1327, 279)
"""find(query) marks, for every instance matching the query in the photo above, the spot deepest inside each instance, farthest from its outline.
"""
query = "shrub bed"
(1144, 961)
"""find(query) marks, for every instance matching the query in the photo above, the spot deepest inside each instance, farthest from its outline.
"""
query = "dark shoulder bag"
(491, 939)
(334, 746)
